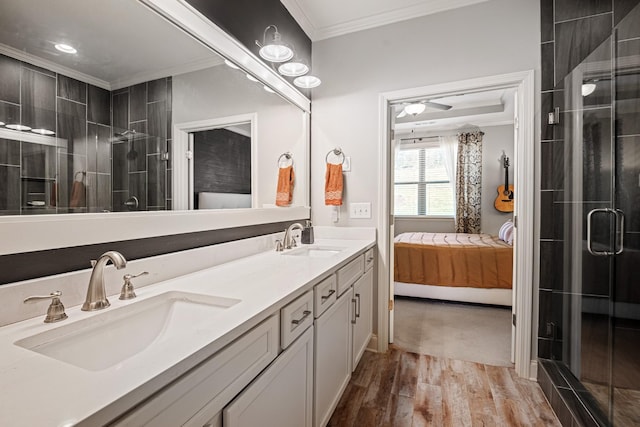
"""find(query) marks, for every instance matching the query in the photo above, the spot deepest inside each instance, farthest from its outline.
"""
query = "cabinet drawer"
(204, 391)
(349, 274)
(324, 295)
(296, 318)
(369, 259)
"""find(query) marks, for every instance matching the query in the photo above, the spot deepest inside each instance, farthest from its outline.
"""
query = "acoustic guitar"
(504, 201)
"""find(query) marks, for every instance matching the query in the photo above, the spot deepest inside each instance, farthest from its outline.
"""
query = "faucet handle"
(279, 246)
(127, 291)
(55, 312)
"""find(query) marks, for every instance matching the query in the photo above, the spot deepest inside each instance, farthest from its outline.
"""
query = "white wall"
(221, 92)
(494, 37)
(496, 140)
(490, 38)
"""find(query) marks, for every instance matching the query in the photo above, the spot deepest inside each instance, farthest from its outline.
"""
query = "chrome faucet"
(288, 240)
(96, 298)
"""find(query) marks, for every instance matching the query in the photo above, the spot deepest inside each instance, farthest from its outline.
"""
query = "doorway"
(522, 84)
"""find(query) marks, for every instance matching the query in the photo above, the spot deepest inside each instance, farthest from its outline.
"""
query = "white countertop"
(36, 390)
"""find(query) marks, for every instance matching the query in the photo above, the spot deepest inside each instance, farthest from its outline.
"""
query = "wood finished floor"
(400, 389)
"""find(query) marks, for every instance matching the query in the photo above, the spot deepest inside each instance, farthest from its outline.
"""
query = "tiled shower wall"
(39, 177)
(71, 171)
(142, 143)
(571, 30)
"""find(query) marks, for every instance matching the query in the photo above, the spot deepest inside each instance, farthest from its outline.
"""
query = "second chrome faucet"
(96, 296)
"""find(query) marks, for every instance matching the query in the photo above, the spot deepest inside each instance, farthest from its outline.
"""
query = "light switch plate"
(360, 210)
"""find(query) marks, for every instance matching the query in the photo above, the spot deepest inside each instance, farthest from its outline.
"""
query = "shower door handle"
(620, 220)
(589, 220)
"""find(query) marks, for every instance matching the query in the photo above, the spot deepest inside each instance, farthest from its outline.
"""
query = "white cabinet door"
(282, 395)
(363, 305)
(332, 358)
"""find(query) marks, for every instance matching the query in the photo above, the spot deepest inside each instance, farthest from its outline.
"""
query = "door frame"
(524, 213)
(182, 156)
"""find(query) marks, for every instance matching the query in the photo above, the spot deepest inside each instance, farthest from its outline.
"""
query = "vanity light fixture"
(268, 89)
(62, 47)
(18, 127)
(293, 68)
(274, 50)
(588, 88)
(307, 82)
(231, 64)
(415, 109)
(253, 79)
(43, 131)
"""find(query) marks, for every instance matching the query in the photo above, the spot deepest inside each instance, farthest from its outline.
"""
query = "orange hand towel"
(333, 185)
(284, 194)
(78, 195)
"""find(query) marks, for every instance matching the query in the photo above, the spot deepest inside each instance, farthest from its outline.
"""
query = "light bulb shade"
(293, 69)
(588, 89)
(414, 109)
(276, 52)
(268, 89)
(307, 82)
(43, 131)
(231, 64)
(62, 47)
(253, 79)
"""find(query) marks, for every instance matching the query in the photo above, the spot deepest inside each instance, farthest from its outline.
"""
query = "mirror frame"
(34, 233)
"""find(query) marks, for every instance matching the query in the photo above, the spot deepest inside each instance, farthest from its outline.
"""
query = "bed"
(454, 266)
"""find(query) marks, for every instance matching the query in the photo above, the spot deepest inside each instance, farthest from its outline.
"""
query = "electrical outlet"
(360, 210)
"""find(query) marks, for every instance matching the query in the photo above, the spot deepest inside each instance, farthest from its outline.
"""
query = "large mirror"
(105, 106)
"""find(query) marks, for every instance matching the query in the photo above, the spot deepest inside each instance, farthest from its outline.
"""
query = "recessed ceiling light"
(268, 89)
(307, 82)
(231, 64)
(43, 131)
(18, 127)
(250, 77)
(293, 69)
(65, 48)
(588, 89)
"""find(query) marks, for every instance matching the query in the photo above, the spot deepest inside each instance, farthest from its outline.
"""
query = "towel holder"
(287, 156)
(83, 173)
(337, 152)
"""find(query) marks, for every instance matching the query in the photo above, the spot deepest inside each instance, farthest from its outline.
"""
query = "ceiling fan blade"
(401, 114)
(437, 106)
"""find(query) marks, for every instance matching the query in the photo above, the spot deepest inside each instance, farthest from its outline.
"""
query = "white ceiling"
(322, 19)
(119, 42)
(487, 108)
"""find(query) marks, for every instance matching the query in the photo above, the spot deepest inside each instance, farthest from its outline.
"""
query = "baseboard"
(373, 343)
(533, 370)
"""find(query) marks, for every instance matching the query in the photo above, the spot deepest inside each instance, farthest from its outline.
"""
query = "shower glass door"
(599, 332)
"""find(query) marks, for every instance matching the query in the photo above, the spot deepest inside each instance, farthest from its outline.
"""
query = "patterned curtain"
(469, 182)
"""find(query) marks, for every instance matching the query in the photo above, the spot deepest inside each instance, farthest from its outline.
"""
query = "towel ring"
(287, 156)
(337, 152)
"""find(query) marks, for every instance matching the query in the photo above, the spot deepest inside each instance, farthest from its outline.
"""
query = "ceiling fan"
(418, 107)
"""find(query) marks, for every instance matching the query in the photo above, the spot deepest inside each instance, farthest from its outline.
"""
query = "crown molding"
(296, 9)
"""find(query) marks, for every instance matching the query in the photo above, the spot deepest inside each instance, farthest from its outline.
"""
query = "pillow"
(506, 232)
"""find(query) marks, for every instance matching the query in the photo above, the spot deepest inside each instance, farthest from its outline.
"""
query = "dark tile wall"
(222, 162)
(575, 32)
(71, 175)
(141, 168)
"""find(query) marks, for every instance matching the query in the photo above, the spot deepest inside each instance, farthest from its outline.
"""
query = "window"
(422, 186)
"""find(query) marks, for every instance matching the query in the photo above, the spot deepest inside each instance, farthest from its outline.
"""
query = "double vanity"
(267, 339)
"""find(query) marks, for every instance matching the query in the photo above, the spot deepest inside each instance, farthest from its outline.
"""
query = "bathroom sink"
(106, 339)
(314, 252)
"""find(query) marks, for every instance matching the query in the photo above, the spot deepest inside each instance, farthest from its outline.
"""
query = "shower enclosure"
(594, 328)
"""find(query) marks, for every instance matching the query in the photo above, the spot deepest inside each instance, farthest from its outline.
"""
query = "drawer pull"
(326, 297)
(370, 258)
(358, 306)
(305, 314)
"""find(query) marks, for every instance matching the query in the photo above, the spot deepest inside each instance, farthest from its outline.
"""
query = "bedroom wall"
(496, 140)
(489, 38)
